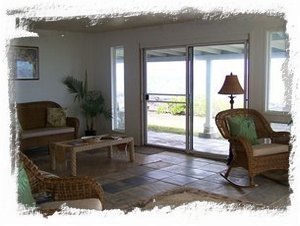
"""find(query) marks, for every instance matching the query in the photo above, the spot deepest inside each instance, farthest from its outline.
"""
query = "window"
(279, 81)
(117, 75)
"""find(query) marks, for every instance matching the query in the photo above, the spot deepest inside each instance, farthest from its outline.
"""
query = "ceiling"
(93, 16)
(95, 24)
(104, 22)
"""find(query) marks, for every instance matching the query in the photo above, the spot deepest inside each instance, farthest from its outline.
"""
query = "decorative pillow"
(244, 127)
(56, 117)
(24, 190)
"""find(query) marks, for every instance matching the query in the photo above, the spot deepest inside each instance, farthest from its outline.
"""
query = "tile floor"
(157, 170)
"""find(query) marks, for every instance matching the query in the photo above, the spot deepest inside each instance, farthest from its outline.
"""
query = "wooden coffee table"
(58, 149)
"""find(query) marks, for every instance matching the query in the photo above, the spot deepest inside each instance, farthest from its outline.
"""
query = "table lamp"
(231, 86)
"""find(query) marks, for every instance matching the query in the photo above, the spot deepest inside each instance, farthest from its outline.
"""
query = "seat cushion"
(243, 127)
(269, 149)
(46, 132)
(91, 204)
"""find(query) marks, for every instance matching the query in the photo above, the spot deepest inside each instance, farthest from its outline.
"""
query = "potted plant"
(91, 102)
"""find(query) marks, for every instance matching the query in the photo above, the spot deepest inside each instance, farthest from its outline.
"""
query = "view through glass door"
(169, 122)
(166, 97)
(210, 66)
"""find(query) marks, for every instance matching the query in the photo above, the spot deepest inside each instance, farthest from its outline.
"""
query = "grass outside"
(166, 129)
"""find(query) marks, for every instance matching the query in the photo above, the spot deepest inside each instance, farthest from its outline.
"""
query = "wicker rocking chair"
(61, 189)
(258, 158)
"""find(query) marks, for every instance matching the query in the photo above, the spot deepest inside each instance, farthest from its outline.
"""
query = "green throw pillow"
(24, 190)
(244, 127)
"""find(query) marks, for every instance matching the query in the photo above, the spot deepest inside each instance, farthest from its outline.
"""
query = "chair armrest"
(241, 144)
(280, 137)
(73, 122)
(73, 188)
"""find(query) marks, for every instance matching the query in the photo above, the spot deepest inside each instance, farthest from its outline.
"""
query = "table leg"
(73, 164)
(131, 151)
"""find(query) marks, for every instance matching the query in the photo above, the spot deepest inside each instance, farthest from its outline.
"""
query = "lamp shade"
(231, 85)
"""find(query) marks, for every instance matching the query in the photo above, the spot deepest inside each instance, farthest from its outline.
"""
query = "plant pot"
(90, 132)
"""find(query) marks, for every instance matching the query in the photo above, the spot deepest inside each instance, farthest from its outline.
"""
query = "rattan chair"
(61, 189)
(255, 160)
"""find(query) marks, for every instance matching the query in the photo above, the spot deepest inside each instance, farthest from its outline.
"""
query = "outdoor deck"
(217, 147)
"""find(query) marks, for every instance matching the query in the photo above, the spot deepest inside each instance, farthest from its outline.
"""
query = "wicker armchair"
(254, 158)
(61, 189)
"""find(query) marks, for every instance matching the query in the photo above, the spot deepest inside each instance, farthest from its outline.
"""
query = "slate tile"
(139, 180)
(158, 174)
(115, 187)
(179, 180)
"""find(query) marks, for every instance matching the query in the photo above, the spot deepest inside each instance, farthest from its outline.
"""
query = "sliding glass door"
(181, 94)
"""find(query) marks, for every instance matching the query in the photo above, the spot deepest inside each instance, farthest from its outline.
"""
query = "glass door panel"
(210, 66)
(166, 97)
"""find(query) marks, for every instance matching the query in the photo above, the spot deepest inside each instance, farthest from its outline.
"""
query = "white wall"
(73, 53)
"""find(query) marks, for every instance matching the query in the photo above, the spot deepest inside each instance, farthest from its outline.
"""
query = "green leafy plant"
(91, 102)
(173, 108)
(162, 109)
(177, 109)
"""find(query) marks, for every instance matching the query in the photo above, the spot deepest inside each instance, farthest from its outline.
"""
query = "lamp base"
(231, 101)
